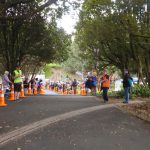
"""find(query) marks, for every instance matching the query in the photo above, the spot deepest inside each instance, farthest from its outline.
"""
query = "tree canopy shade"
(40, 6)
(25, 33)
(116, 33)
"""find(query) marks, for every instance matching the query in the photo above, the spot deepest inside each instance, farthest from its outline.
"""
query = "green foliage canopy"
(116, 33)
(26, 37)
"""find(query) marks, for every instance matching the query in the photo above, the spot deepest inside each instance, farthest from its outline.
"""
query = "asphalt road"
(69, 123)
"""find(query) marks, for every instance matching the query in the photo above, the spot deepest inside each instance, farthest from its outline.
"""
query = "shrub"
(136, 91)
(118, 94)
(141, 91)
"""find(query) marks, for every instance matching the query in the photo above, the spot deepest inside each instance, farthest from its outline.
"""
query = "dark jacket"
(126, 82)
(88, 84)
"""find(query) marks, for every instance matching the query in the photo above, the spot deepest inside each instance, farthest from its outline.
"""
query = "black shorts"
(17, 87)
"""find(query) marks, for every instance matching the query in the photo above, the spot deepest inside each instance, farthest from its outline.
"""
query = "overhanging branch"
(39, 9)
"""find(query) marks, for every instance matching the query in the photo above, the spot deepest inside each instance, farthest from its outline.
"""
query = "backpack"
(130, 82)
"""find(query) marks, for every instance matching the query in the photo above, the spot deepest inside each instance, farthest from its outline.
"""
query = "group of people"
(65, 86)
(34, 83)
(91, 84)
(101, 83)
(17, 79)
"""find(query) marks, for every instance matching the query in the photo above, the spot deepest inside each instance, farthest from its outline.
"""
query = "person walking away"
(131, 85)
(32, 81)
(105, 86)
(6, 83)
(94, 83)
(74, 86)
(17, 82)
(127, 83)
(88, 85)
(39, 85)
(26, 85)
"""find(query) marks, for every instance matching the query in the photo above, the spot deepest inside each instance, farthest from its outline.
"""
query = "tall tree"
(120, 34)
(24, 28)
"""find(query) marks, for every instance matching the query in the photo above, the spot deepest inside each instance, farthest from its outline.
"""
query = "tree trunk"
(140, 70)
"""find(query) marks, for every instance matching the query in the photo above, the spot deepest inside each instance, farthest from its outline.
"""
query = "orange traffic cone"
(42, 91)
(79, 91)
(22, 91)
(35, 90)
(73, 92)
(12, 95)
(61, 92)
(29, 90)
(2, 99)
(83, 92)
(65, 92)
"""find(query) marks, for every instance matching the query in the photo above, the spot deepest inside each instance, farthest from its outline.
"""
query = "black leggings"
(17, 87)
(105, 96)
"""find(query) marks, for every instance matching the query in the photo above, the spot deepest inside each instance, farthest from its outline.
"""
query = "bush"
(141, 91)
(136, 91)
(118, 94)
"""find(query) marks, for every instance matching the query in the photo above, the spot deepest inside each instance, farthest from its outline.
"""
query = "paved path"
(70, 123)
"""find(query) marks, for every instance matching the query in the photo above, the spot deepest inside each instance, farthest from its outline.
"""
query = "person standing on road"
(6, 82)
(17, 82)
(88, 85)
(127, 84)
(94, 84)
(74, 86)
(26, 85)
(105, 85)
(33, 83)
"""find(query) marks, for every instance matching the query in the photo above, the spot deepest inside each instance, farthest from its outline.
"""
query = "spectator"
(26, 85)
(17, 82)
(6, 82)
(88, 85)
(94, 83)
(105, 85)
(33, 83)
(74, 86)
(36, 82)
(39, 84)
(127, 84)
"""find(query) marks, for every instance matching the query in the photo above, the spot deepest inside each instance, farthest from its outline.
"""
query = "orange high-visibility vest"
(106, 83)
